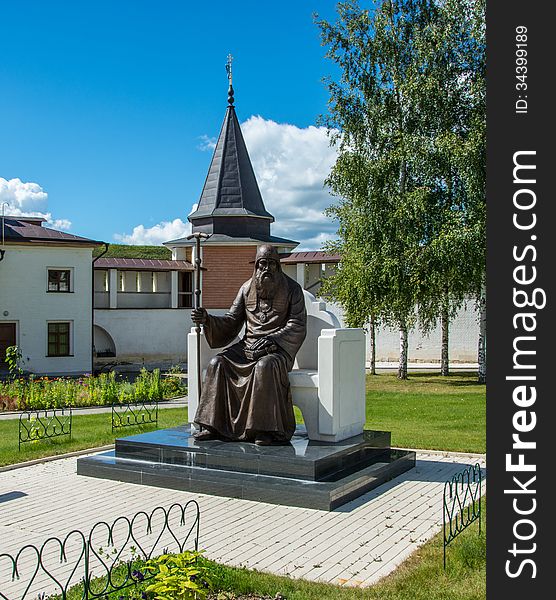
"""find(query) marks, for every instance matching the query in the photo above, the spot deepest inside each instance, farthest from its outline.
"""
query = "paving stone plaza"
(354, 545)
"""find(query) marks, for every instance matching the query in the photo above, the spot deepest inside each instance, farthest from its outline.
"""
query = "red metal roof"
(143, 264)
(317, 256)
(29, 229)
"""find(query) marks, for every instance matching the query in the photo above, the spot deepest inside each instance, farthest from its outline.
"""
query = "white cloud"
(58, 223)
(27, 199)
(154, 236)
(291, 164)
(207, 143)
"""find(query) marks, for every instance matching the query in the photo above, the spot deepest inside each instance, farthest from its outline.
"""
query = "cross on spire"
(229, 68)
(229, 72)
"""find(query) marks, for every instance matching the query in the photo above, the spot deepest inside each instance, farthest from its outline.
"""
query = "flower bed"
(36, 393)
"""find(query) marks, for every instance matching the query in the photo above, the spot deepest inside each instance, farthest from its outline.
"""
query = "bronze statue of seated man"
(246, 392)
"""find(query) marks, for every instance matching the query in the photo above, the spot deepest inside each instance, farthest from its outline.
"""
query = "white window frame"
(71, 281)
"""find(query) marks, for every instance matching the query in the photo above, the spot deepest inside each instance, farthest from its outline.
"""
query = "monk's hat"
(267, 251)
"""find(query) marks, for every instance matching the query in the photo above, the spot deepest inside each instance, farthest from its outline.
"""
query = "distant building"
(142, 310)
(45, 296)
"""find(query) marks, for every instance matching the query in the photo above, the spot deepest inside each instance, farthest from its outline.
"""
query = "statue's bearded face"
(266, 277)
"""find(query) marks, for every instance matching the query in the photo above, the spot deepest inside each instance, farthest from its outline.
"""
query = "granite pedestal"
(303, 473)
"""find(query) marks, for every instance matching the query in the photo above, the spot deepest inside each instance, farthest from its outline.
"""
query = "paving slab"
(354, 545)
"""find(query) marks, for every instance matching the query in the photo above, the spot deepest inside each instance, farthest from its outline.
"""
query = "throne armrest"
(341, 369)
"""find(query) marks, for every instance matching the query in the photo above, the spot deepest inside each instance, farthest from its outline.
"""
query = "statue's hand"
(199, 316)
(262, 344)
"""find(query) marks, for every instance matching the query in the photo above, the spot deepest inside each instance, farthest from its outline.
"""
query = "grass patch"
(126, 251)
(88, 431)
(429, 411)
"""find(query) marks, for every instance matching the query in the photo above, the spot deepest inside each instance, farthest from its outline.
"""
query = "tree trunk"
(444, 353)
(402, 367)
(372, 341)
(481, 354)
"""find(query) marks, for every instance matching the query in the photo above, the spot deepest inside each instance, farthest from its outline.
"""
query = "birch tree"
(406, 115)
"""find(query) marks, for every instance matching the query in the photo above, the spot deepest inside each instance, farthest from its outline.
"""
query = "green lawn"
(429, 411)
(88, 431)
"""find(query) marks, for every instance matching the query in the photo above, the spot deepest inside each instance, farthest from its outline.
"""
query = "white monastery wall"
(463, 340)
(152, 335)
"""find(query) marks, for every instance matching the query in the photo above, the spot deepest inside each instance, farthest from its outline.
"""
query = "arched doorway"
(104, 346)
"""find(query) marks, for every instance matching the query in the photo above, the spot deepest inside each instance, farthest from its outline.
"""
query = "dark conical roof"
(230, 189)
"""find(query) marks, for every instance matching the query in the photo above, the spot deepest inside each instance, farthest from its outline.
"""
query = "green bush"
(173, 386)
(41, 393)
(182, 576)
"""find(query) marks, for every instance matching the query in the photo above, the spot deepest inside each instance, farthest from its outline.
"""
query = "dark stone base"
(303, 473)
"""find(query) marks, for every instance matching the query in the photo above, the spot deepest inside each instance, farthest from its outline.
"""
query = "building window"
(59, 280)
(59, 339)
(122, 281)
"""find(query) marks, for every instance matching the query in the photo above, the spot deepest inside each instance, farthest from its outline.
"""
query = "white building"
(45, 296)
(142, 310)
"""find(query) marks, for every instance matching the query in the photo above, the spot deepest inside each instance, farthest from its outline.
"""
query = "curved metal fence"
(461, 503)
(105, 560)
(134, 413)
(35, 425)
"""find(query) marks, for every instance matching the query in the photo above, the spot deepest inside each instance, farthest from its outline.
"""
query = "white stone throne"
(327, 381)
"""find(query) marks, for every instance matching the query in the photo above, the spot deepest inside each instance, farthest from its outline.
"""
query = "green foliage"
(179, 576)
(407, 117)
(106, 389)
(173, 384)
(13, 360)
(125, 251)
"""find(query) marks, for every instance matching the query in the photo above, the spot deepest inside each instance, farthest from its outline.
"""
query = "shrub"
(41, 393)
(173, 386)
(182, 576)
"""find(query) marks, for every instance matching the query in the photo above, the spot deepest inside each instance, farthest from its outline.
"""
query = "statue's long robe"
(242, 397)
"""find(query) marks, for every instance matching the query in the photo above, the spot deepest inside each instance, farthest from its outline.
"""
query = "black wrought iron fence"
(35, 425)
(134, 413)
(461, 503)
(106, 560)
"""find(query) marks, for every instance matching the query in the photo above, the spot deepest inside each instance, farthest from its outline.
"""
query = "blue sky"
(108, 111)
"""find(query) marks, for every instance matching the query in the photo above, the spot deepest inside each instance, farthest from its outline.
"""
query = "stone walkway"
(354, 545)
